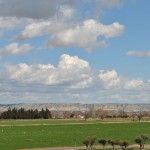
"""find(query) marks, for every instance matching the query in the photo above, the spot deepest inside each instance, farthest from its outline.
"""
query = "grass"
(53, 122)
(59, 133)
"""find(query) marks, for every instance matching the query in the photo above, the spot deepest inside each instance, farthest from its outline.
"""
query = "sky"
(74, 51)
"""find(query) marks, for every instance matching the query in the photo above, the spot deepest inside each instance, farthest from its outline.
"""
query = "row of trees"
(102, 114)
(89, 142)
(26, 114)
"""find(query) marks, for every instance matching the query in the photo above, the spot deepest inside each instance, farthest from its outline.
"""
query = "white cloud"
(40, 28)
(15, 49)
(71, 71)
(67, 12)
(85, 35)
(110, 78)
(134, 84)
(34, 30)
(82, 35)
(139, 53)
(7, 23)
(108, 75)
(66, 25)
(72, 76)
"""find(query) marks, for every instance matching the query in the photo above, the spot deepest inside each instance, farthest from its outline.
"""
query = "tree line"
(21, 113)
(140, 140)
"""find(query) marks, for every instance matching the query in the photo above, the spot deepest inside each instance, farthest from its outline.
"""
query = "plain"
(58, 133)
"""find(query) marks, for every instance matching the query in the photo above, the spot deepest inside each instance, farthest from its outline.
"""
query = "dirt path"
(7, 125)
(58, 148)
(18, 125)
(84, 148)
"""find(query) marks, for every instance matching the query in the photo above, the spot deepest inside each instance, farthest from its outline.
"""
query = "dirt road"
(84, 148)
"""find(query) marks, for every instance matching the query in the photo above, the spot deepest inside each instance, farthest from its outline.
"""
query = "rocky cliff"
(80, 107)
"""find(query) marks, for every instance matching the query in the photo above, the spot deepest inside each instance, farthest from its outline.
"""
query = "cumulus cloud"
(41, 28)
(85, 35)
(134, 84)
(67, 12)
(58, 20)
(15, 49)
(71, 80)
(71, 71)
(139, 53)
(110, 78)
(82, 35)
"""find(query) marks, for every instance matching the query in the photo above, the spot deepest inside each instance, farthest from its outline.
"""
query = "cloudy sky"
(87, 51)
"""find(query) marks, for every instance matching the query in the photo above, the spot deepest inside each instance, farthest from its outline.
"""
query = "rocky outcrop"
(80, 107)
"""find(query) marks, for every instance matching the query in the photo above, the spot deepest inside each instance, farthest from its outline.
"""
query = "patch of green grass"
(61, 134)
(55, 121)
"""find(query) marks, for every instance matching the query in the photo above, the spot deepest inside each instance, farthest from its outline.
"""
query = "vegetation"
(141, 140)
(112, 143)
(25, 114)
(14, 113)
(103, 142)
(24, 134)
(124, 145)
(89, 141)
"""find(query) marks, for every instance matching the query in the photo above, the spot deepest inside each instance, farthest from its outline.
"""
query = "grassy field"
(58, 122)
(53, 133)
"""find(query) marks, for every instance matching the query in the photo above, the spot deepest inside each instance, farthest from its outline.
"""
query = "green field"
(55, 133)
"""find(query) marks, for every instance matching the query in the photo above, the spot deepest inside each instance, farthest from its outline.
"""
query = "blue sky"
(87, 51)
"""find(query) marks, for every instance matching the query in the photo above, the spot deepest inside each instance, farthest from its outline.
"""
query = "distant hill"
(79, 107)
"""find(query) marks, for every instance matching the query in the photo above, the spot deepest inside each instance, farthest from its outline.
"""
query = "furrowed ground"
(58, 133)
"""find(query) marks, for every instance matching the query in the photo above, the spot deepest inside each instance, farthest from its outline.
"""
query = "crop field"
(57, 133)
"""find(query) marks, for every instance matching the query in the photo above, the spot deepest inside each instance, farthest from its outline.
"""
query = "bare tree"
(100, 113)
(140, 116)
(133, 115)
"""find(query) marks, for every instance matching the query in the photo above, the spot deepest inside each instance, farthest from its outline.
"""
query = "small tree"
(86, 142)
(100, 113)
(112, 143)
(140, 116)
(124, 145)
(92, 141)
(86, 116)
(133, 115)
(89, 141)
(103, 142)
(139, 140)
(145, 139)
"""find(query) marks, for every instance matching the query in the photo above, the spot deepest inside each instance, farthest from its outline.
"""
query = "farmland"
(57, 133)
